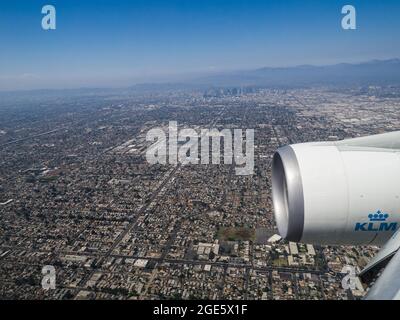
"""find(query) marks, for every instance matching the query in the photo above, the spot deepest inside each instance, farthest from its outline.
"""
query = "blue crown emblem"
(378, 216)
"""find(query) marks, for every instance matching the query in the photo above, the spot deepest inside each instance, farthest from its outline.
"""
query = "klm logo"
(377, 222)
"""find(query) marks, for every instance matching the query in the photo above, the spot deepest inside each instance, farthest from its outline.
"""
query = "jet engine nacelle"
(345, 192)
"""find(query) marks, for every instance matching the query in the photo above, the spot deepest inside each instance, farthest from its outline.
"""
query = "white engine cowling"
(345, 192)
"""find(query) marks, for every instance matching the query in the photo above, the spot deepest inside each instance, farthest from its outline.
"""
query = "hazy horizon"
(122, 43)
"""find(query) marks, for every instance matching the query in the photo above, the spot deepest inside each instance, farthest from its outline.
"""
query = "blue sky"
(117, 43)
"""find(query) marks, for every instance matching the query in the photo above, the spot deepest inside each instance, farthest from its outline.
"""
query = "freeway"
(30, 137)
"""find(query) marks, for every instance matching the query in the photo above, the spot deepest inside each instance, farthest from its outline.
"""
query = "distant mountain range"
(376, 72)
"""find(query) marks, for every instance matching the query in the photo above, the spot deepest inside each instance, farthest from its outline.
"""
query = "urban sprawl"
(77, 193)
